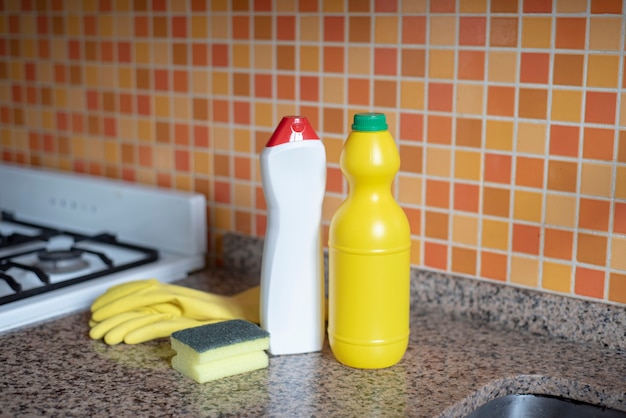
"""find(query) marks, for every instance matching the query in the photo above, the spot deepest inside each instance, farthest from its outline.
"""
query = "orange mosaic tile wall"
(508, 114)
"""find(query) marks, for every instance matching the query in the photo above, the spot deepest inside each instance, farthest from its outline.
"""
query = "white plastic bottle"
(293, 173)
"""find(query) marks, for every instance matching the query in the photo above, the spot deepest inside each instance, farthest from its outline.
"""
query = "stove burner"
(61, 261)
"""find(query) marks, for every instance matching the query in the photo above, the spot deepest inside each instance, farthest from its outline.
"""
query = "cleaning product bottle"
(369, 253)
(293, 174)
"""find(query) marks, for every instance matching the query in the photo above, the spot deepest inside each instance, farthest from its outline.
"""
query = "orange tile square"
(533, 103)
(556, 277)
(436, 225)
(385, 61)
(504, 6)
(561, 210)
(524, 271)
(598, 143)
(413, 29)
(589, 282)
(562, 175)
(411, 158)
(591, 249)
(438, 193)
(438, 162)
(564, 140)
(499, 135)
(358, 91)
(606, 6)
(435, 255)
(443, 6)
(463, 260)
(411, 127)
(472, 30)
(359, 29)
(618, 248)
(594, 214)
(442, 30)
(600, 107)
(568, 69)
(333, 58)
(497, 168)
(621, 150)
(571, 32)
(465, 229)
(333, 28)
(558, 243)
(535, 67)
(597, 180)
(603, 71)
(469, 99)
(495, 234)
(413, 62)
(567, 105)
(286, 86)
(285, 57)
(503, 31)
(503, 66)
(334, 120)
(536, 32)
(617, 288)
(409, 189)
(572, 6)
(527, 206)
(605, 33)
(440, 96)
(526, 239)
(619, 215)
(537, 6)
(441, 63)
(493, 266)
(468, 132)
(439, 129)
(385, 29)
(529, 172)
(471, 65)
(473, 6)
(500, 101)
(496, 201)
(467, 165)
(385, 93)
(466, 197)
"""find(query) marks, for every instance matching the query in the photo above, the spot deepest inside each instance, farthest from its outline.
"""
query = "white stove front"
(173, 223)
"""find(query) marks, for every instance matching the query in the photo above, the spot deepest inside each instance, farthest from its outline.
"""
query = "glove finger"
(167, 307)
(121, 290)
(223, 308)
(131, 302)
(99, 329)
(161, 329)
(117, 334)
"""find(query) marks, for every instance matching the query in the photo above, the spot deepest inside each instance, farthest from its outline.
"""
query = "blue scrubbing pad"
(218, 350)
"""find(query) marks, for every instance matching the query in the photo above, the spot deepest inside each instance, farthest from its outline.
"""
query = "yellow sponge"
(213, 351)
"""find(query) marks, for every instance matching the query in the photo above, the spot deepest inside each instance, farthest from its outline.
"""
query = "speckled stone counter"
(456, 361)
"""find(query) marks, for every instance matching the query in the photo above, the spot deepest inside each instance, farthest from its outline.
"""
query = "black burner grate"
(149, 255)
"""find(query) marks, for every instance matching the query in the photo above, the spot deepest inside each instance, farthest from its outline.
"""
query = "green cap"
(369, 122)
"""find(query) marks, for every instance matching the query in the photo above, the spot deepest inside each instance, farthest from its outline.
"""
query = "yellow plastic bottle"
(369, 254)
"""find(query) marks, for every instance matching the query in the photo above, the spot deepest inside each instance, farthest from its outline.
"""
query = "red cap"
(292, 129)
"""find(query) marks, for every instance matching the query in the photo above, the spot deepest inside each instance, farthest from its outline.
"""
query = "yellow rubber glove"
(143, 310)
(193, 303)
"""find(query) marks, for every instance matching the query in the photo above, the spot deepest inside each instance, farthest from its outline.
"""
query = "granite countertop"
(454, 363)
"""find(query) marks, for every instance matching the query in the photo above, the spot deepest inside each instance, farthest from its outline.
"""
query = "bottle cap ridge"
(292, 129)
(369, 122)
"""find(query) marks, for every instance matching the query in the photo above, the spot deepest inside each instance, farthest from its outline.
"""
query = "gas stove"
(66, 238)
